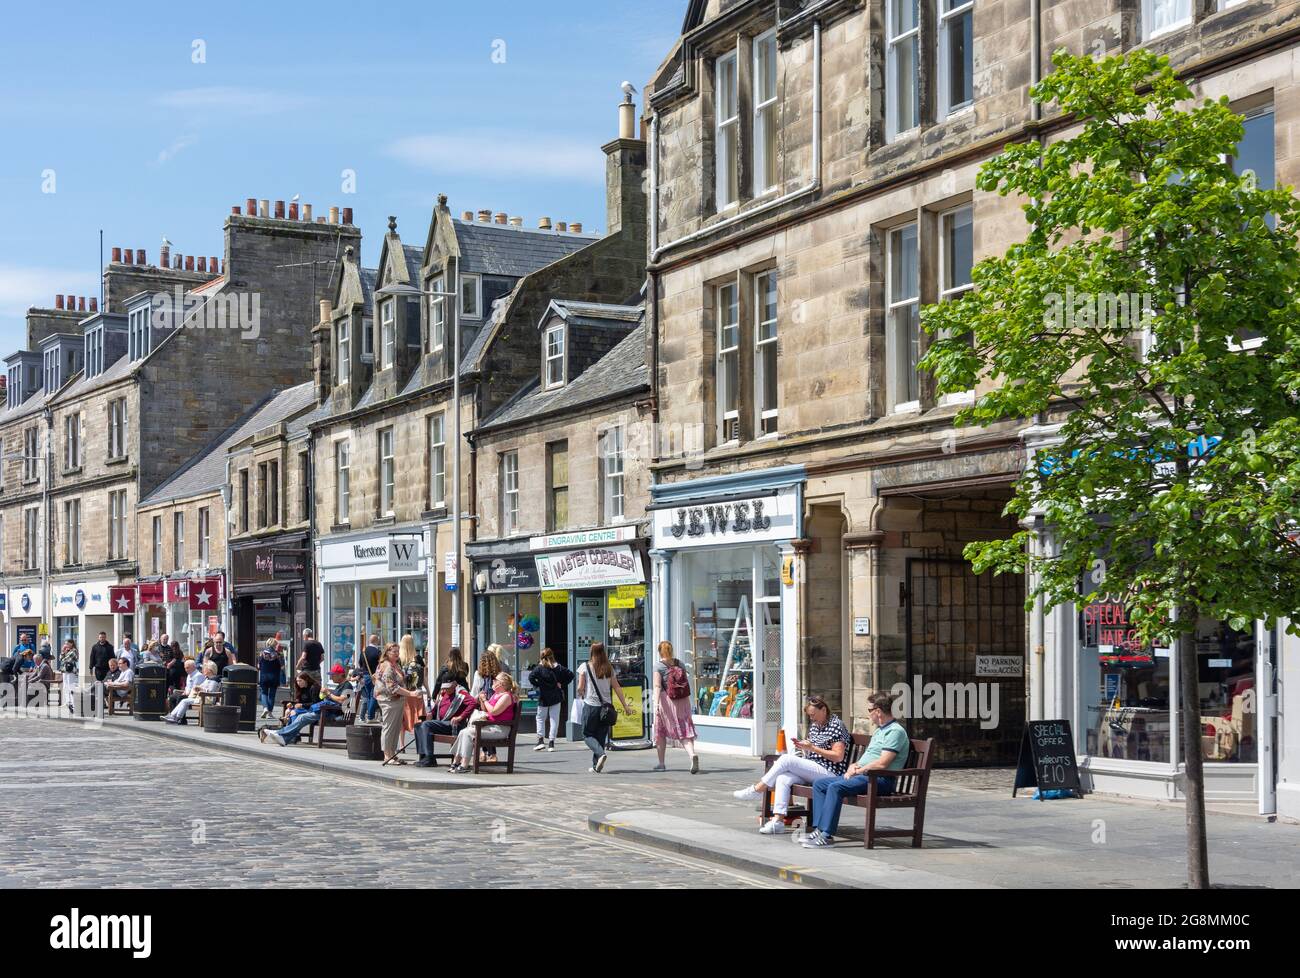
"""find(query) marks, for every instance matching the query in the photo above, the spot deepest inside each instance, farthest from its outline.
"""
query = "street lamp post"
(401, 289)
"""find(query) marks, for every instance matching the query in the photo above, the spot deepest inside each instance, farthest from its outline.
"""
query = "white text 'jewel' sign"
(750, 520)
(589, 567)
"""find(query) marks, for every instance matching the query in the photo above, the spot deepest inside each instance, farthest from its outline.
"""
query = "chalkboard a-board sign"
(1047, 758)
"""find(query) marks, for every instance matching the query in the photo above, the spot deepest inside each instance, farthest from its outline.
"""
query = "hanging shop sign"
(754, 519)
(404, 554)
(590, 567)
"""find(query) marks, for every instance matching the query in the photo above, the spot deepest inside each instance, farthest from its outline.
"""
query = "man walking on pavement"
(100, 654)
(368, 665)
(312, 654)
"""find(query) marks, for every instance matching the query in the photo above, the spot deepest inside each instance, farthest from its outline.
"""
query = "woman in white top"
(596, 682)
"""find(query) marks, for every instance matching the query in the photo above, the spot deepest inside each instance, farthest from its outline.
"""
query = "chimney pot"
(544, 223)
(279, 210)
(71, 303)
(334, 215)
(293, 210)
(326, 311)
(347, 216)
(212, 265)
(164, 257)
(516, 222)
(117, 255)
(128, 256)
(306, 213)
(203, 263)
(320, 220)
(561, 226)
(234, 209)
(139, 257)
(178, 261)
(189, 263)
(58, 302)
(502, 217)
(81, 303)
(484, 216)
(467, 217)
(575, 227)
(250, 206)
(94, 304)
(264, 207)
(626, 120)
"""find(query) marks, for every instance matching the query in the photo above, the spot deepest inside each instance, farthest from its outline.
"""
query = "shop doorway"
(555, 633)
(957, 622)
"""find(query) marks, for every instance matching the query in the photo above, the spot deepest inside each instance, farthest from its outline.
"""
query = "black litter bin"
(239, 688)
(149, 692)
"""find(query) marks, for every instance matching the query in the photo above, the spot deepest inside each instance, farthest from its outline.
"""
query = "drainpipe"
(1038, 618)
(227, 491)
(811, 187)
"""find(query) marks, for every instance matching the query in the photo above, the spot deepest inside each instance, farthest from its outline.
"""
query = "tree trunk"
(1189, 715)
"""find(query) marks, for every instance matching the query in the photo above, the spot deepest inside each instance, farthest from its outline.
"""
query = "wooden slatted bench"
(910, 787)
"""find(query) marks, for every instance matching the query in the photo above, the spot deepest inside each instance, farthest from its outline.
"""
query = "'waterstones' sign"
(752, 520)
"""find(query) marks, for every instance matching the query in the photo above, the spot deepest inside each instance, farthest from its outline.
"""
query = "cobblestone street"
(97, 808)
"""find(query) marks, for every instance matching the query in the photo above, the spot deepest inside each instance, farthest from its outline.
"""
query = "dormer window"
(138, 333)
(343, 350)
(471, 297)
(437, 315)
(52, 369)
(554, 356)
(94, 352)
(14, 389)
(388, 333)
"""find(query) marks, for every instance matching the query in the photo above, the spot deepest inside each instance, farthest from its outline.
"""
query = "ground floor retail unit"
(271, 593)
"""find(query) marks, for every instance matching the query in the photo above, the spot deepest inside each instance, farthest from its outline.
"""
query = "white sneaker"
(747, 794)
(541, 745)
(773, 826)
(600, 763)
(274, 737)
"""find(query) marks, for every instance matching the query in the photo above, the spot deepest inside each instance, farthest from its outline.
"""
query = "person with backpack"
(549, 679)
(596, 684)
(673, 708)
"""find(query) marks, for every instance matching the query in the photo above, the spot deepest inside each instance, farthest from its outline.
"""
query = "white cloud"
(24, 286)
(230, 98)
(178, 144)
(501, 154)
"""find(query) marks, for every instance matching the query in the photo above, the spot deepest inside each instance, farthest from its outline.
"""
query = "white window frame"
(509, 492)
(71, 532)
(726, 133)
(31, 538)
(138, 333)
(343, 481)
(178, 540)
(31, 455)
(612, 474)
(205, 536)
(765, 114)
(437, 315)
(387, 471)
(728, 313)
(117, 428)
(388, 333)
(468, 278)
(72, 430)
(1150, 32)
(963, 8)
(437, 461)
(893, 44)
(343, 350)
(947, 290)
(157, 545)
(766, 420)
(1255, 112)
(894, 307)
(117, 525)
(554, 345)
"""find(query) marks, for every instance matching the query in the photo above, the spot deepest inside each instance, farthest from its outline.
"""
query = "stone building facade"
(813, 185)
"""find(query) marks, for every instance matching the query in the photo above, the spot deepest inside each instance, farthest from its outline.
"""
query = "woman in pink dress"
(673, 708)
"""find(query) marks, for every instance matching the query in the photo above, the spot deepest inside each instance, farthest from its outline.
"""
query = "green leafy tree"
(1175, 486)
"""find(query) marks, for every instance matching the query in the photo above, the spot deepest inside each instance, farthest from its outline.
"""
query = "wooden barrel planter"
(363, 742)
(220, 719)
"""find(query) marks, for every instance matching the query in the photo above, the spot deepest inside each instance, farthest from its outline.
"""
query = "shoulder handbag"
(604, 715)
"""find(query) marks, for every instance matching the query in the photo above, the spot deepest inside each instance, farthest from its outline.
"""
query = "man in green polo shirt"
(887, 751)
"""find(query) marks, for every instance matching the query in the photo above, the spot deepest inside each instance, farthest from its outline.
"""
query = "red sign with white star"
(204, 594)
(122, 600)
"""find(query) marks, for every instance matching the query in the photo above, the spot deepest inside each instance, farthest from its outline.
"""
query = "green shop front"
(565, 592)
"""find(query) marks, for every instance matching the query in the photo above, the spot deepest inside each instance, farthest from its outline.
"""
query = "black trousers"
(424, 733)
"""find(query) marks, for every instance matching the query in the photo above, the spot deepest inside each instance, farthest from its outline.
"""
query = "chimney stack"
(306, 213)
(58, 302)
(139, 257)
(544, 224)
(250, 206)
(117, 255)
(94, 304)
(293, 210)
(279, 210)
(347, 216)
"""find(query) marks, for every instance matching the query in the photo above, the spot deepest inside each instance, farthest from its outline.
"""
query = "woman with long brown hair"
(596, 686)
(489, 664)
(454, 670)
(413, 674)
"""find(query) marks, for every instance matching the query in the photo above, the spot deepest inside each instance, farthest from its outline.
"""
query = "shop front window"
(415, 613)
(625, 643)
(342, 634)
(66, 631)
(380, 601)
(1225, 661)
(515, 625)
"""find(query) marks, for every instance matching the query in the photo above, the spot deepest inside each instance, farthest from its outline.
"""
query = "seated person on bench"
(825, 752)
(192, 677)
(499, 709)
(887, 751)
(450, 712)
(210, 684)
(120, 687)
(330, 701)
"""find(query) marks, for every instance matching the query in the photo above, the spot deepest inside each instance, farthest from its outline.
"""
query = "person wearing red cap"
(331, 701)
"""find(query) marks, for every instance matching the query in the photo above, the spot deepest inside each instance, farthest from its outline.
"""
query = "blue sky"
(145, 142)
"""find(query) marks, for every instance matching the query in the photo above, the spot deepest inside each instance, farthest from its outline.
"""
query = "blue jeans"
(266, 694)
(829, 794)
(293, 729)
(369, 705)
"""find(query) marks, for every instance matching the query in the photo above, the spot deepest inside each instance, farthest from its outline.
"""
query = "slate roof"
(206, 471)
(497, 249)
(620, 371)
(414, 262)
(369, 279)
